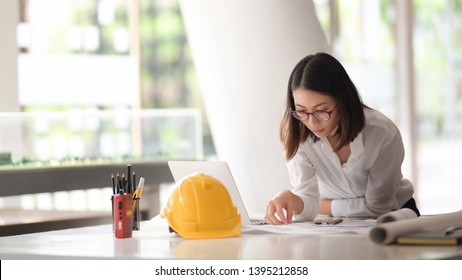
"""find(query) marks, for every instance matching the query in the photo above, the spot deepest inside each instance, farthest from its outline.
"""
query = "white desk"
(155, 242)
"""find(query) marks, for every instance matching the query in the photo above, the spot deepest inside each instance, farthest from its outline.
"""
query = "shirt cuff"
(310, 209)
(338, 207)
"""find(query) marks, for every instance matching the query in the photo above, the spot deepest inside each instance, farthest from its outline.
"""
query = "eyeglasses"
(321, 115)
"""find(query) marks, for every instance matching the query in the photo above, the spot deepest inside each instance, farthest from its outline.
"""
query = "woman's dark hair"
(321, 72)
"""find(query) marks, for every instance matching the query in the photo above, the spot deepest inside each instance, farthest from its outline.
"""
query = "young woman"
(344, 158)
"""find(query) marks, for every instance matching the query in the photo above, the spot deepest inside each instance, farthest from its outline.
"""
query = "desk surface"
(13, 222)
(98, 242)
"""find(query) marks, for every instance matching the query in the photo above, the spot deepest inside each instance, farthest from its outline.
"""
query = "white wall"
(9, 15)
(243, 53)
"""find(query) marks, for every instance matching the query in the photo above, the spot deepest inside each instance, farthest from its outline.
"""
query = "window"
(362, 35)
(98, 59)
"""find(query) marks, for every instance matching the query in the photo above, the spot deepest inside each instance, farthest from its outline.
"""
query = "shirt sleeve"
(303, 179)
(384, 156)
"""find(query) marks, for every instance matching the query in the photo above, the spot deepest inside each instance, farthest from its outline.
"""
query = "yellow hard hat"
(200, 207)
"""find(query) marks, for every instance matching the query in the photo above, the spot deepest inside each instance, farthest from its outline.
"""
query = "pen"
(449, 230)
(332, 221)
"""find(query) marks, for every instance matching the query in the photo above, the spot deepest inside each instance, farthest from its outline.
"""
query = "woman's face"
(310, 101)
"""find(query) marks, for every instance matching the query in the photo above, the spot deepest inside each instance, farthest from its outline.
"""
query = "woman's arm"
(384, 154)
(325, 207)
(305, 185)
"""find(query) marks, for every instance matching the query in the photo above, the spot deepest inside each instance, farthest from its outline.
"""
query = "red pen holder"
(122, 215)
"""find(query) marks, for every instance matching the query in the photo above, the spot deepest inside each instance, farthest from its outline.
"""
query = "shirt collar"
(356, 146)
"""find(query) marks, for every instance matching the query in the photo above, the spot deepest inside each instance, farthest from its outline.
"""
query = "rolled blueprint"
(386, 233)
(398, 215)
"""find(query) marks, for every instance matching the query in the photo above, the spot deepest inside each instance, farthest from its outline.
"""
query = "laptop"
(220, 171)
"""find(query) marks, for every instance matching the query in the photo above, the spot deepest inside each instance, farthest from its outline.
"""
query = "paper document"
(354, 226)
(310, 228)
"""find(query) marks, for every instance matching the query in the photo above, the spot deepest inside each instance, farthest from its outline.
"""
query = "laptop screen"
(217, 169)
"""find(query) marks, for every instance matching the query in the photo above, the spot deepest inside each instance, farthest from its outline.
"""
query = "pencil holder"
(112, 206)
(126, 187)
(123, 209)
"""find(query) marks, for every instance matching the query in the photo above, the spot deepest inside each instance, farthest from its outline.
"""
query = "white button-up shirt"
(369, 184)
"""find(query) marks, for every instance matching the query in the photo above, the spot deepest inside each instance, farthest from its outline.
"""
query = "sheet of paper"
(353, 226)
(310, 228)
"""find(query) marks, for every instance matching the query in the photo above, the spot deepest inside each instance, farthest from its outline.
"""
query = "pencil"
(114, 191)
(136, 217)
(129, 180)
(137, 194)
(118, 183)
(124, 183)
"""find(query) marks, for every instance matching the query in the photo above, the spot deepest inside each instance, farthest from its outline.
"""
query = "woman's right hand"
(281, 208)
